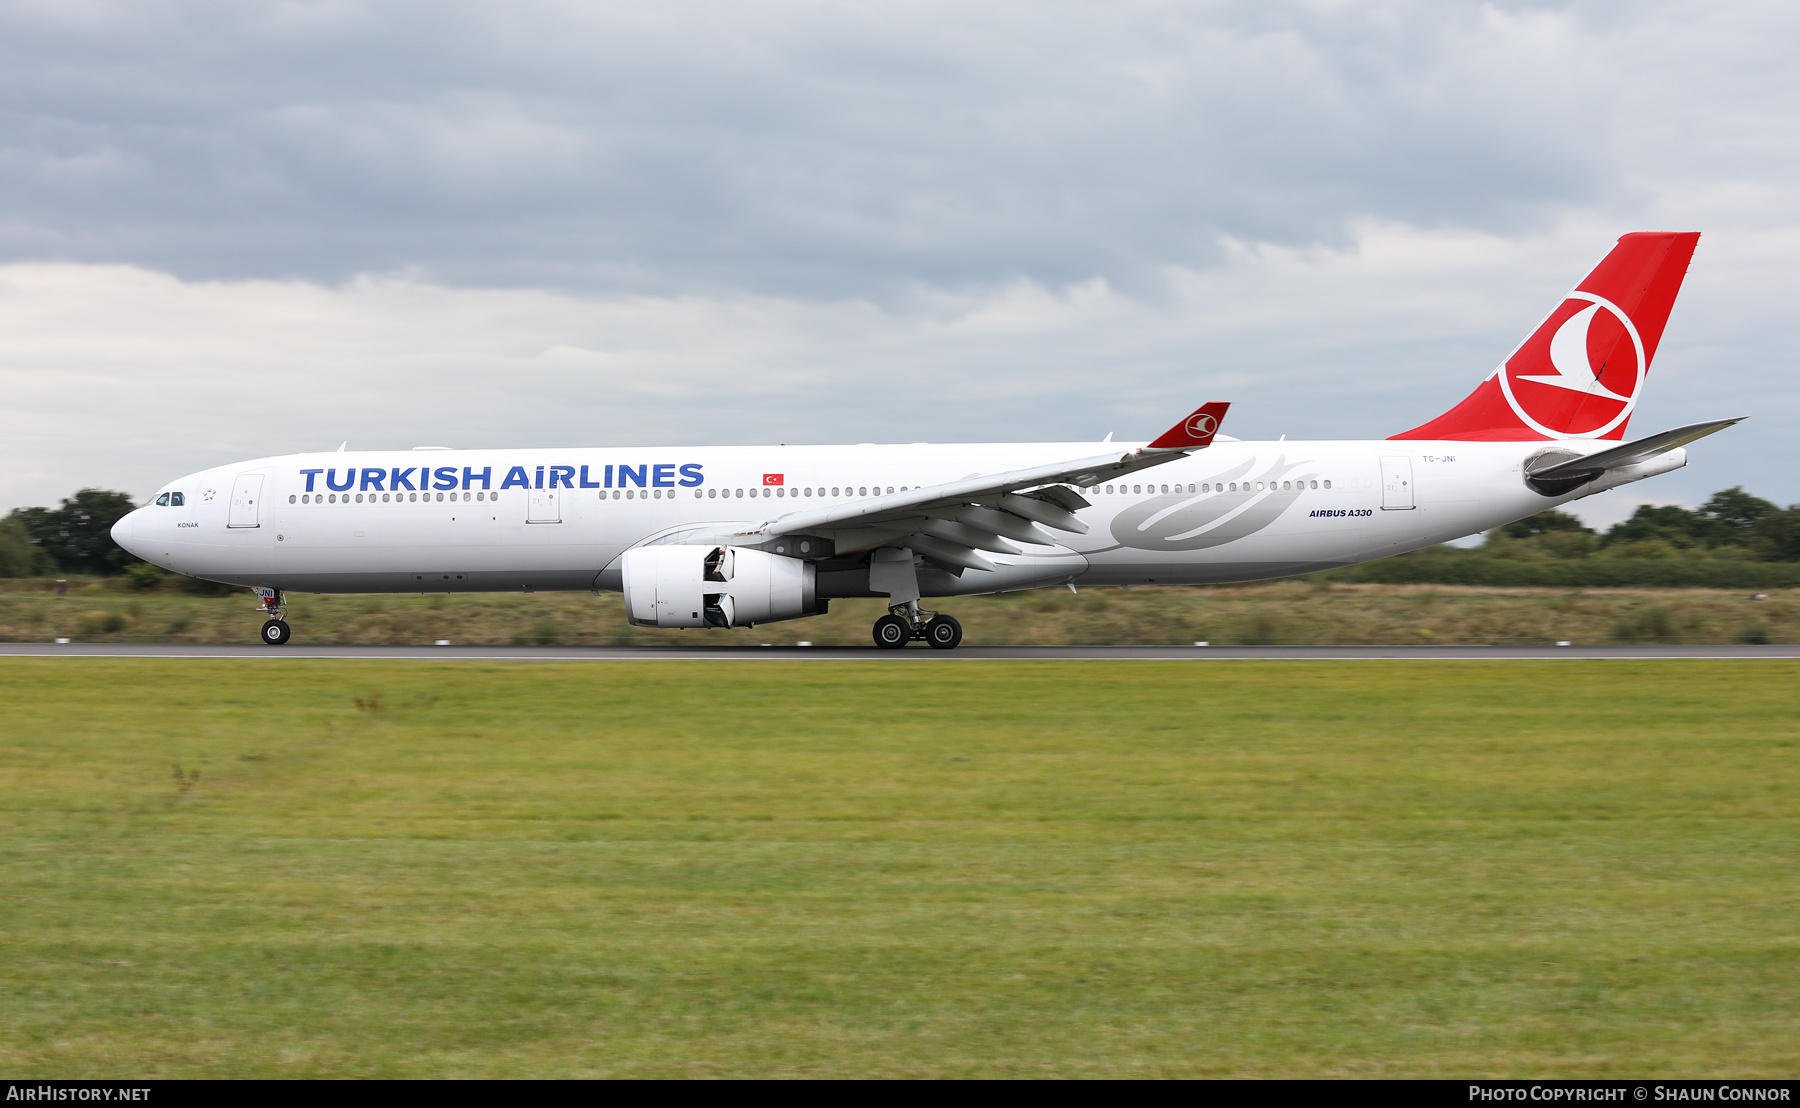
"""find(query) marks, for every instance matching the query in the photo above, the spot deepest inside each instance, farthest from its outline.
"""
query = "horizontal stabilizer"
(1631, 453)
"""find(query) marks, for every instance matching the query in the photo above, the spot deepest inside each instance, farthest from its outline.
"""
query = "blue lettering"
(402, 479)
(691, 475)
(627, 475)
(608, 477)
(331, 480)
(516, 479)
(540, 476)
(469, 476)
(444, 477)
(585, 483)
(663, 477)
(310, 474)
(372, 479)
(563, 474)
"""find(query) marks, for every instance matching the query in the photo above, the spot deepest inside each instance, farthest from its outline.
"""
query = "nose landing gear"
(906, 622)
(273, 603)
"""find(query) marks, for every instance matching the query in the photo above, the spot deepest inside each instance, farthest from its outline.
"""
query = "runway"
(917, 653)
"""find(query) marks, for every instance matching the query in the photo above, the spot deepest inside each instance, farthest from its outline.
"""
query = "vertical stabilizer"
(1581, 372)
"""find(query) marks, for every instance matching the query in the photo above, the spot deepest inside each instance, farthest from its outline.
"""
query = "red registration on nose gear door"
(772, 478)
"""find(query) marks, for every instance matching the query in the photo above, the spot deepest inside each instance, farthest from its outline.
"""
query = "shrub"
(1654, 624)
(195, 586)
(143, 575)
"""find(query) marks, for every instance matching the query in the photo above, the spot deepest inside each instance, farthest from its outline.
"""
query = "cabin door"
(1396, 484)
(546, 506)
(244, 497)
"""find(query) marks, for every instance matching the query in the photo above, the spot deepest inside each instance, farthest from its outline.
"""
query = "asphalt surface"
(917, 652)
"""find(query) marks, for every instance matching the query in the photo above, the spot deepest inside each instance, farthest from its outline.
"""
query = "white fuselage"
(490, 520)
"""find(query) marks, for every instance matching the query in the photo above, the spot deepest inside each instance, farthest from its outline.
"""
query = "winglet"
(1196, 431)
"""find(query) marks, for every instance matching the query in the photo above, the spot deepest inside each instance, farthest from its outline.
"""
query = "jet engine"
(715, 586)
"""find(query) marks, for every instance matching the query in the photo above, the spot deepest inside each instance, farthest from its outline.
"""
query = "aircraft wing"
(950, 522)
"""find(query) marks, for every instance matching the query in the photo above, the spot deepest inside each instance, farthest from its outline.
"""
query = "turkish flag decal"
(772, 478)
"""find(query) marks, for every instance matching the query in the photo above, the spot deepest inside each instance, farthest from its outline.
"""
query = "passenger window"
(163, 500)
(1315, 484)
(1328, 484)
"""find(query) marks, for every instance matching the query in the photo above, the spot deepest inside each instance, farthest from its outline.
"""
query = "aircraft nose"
(122, 530)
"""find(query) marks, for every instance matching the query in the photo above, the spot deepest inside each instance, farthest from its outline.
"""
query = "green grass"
(884, 868)
(109, 610)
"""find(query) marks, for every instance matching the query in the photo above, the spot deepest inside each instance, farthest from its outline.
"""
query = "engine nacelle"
(715, 586)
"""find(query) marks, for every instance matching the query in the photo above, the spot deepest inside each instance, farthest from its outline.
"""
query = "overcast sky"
(235, 229)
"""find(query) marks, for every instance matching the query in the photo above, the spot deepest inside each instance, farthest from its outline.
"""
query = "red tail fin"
(1581, 372)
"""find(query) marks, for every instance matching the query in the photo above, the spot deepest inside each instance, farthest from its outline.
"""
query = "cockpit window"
(163, 500)
(177, 500)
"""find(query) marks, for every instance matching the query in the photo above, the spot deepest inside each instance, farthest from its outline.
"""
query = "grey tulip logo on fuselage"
(1196, 520)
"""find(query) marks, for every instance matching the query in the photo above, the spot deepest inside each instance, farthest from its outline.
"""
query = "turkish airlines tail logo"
(1581, 372)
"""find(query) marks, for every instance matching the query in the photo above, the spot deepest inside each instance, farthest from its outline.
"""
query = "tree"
(1671, 523)
(78, 535)
(1776, 536)
(1734, 513)
(19, 556)
(1543, 524)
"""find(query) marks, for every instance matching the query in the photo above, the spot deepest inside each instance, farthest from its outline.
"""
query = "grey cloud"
(814, 148)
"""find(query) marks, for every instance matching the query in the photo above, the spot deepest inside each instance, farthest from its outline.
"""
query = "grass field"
(107, 610)
(313, 868)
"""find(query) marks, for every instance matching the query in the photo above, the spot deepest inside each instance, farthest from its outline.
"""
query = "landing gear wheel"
(892, 632)
(276, 632)
(943, 633)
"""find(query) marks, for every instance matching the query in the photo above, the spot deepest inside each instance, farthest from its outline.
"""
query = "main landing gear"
(273, 603)
(906, 622)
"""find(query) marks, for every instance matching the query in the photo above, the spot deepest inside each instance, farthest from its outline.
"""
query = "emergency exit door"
(545, 506)
(1396, 484)
(244, 497)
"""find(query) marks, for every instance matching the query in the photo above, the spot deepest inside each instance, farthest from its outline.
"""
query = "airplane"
(719, 537)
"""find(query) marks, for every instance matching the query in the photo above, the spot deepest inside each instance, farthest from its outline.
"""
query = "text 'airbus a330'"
(736, 536)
